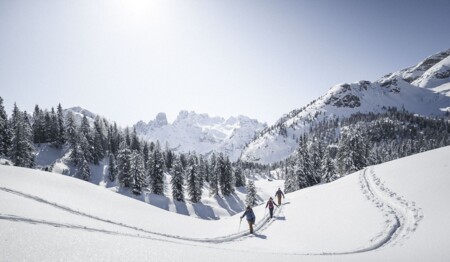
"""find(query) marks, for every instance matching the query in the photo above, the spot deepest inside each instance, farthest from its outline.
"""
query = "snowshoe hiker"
(250, 216)
(270, 204)
(278, 194)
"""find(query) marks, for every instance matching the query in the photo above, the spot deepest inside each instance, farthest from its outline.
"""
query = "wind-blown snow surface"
(397, 211)
(201, 133)
(423, 89)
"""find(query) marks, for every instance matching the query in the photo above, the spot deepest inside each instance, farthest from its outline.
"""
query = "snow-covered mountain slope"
(396, 211)
(201, 133)
(79, 112)
(423, 89)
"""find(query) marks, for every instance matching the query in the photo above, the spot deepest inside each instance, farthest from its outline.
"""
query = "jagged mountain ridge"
(423, 89)
(201, 133)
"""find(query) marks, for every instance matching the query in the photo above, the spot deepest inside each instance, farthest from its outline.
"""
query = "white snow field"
(397, 211)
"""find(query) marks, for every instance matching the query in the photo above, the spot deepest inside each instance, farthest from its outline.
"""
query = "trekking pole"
(265, 211)
(239, 228)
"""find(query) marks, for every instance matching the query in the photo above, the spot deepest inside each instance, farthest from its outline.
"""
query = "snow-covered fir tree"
(251, 199)
(135, 143)
(86, 139)
(71, 129)
(84, 171)
(352, 153)
(328, 169)
(156, 171)
(213, 175)
(61, 137)
(124, 165)
(192, 181)
(202, 170)
(291, 183)
(112, 168)
(226, 178)
(303, 170)
(21, 151)
(316, 155)
(239, 176)
(98, 151)
(177, 181)
(38, 126)
(137, 172)
(168, 156)
(5, 134)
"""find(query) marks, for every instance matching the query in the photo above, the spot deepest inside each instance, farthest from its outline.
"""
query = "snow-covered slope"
(396, 211)
(423, 89)
(201, 133)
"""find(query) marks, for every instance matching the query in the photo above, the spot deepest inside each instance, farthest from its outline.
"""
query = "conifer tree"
(86, 139)
(177, 180)
(135, 144)
(137, 172)
(84, 170)
(352, 152)
(61, 138)
(146, 154)
(22, 149)
(213, 176)
(38, 126)
(53, 130)
(156, 171)
(76, 154)
(71, 130)
(303, 170)
(201, 171)
(124, 165)
(251, 198)
(239, 176)
(226, 176)
(112, 170)
(291, 183)
(168, 156)
(328, 168)
(193, 188)
(98, 141)
(5, 132)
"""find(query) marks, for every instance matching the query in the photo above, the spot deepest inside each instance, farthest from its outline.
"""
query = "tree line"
(336, 147)
(133, 163)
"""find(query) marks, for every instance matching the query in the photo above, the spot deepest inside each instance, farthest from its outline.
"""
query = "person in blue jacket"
(250, 216)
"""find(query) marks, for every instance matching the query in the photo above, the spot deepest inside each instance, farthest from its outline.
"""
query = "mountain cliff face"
(201, 133)
(423, 89)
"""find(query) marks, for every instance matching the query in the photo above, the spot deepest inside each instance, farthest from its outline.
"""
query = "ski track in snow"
(260, 226)
(402, 219)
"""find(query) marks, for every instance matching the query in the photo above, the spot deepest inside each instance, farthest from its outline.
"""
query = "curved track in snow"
(402, 219)
(260, 225)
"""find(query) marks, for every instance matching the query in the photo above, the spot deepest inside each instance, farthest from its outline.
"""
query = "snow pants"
(279, 199)
(250, 225)
(271, 212)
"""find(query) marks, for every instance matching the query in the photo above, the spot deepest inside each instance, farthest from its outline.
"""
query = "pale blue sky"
(130, 59)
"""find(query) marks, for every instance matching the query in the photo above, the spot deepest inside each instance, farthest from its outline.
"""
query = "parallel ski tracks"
(402, 219)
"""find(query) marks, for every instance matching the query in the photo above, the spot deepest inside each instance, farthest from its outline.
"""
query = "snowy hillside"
(423, 89)
(396, 211)
(201, 133)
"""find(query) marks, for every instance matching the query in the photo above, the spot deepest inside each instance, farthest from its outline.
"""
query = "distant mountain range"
(201, 133)
(423, 89)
